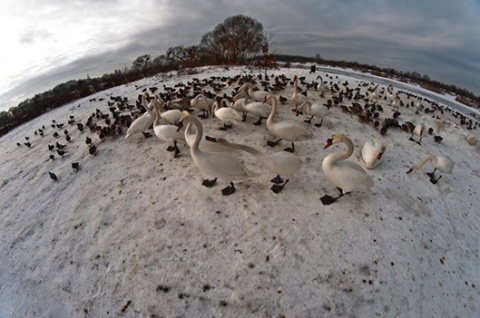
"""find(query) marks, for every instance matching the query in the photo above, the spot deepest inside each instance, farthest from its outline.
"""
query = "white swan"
(258, 96)
(143, 122)
(205, 146)
(372, 153)
(313, 110)
(202, 103)
(418, 130)
(214, 164)
(260, 109)
(286, 130)
(443, 163)
(226, 114)
(280, 163)
(320, 86)
(167, 133)
(345, 175)
(171, 116)
(297, 99)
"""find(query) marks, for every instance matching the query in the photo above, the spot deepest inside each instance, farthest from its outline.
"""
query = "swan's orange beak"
(212, 139)
(329, 143)
(179, 126)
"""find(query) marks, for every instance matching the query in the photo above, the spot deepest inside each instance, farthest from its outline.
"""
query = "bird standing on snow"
(53, 176)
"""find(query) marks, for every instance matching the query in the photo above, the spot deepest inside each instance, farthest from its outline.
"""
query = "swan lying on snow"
(286, 130)
(443, 163)
(280, 163)
(372, 153)
(345, 175)
(214, 164)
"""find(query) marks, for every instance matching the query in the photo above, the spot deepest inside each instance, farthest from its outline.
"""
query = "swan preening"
(286, 130)
(313, 110)
(345, 175)
(443, 163)
(372, 153)
(280, 163)
(217, 165)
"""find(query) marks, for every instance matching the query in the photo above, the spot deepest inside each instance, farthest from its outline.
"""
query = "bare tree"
(142, 64)
(233, 40)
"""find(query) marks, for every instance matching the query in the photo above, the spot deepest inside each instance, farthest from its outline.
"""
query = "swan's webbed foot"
(244, 117)
(418, 142)
(147, 134)
(430, 174)
(277, 179)
(308, 121)
(434, 181)
(327, 199)
(209, 183)
(171, 148)
(259, 121)
(273, 143)
(290, 149)
(228, 190)
(320, 124)
(411, 138)
(276, 188)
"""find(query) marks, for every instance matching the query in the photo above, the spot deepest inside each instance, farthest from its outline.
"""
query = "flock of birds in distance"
(167, 112)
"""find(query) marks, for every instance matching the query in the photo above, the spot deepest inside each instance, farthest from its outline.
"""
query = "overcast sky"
(48, 42)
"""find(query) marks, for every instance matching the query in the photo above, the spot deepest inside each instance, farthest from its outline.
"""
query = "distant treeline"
(234, 51)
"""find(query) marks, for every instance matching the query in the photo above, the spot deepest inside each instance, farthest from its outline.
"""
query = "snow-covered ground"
(134, 233)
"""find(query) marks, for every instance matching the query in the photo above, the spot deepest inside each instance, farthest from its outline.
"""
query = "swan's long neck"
(158, 116)
(144, 103)
(273, 110)
(307, 106)
(343, 155)
(199, 134)
(425, 160)
(295, 88)
(258, 154)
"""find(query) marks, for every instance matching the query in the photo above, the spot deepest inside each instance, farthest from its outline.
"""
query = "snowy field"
(134, 233)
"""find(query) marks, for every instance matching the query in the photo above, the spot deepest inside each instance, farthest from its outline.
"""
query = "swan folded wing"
(349, 176)
(222, 166)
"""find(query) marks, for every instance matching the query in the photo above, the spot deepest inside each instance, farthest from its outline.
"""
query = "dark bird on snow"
(60, 146)
(51, 147)
(53, 176)
(52, 157)
(88, 141)
(28, 144)
(55, 134)
(75, 166)
(92, 150)
(61, 152)
(19, 144)
(66, 132)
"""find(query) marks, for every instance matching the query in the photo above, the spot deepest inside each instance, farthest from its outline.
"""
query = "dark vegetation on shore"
(217, 47)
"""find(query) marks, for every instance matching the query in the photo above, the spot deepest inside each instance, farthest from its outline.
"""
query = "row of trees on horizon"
(239, 40)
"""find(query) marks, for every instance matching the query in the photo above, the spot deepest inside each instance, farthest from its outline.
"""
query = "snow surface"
(134, 233)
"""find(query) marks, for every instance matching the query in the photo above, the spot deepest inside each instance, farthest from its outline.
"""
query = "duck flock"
(226, 192)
